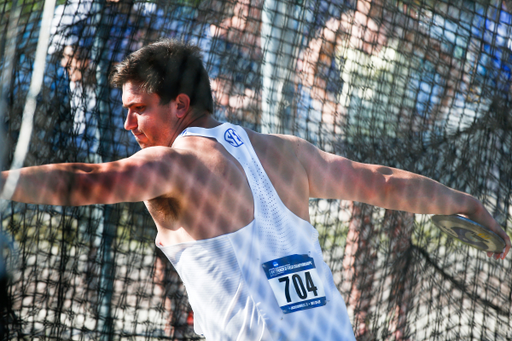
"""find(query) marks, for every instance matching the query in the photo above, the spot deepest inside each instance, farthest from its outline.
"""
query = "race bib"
(295, 282)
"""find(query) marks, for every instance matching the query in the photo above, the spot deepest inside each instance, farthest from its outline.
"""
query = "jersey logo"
(184, 133)
(232, 138)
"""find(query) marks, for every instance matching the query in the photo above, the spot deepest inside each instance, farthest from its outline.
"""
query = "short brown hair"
(167, 68)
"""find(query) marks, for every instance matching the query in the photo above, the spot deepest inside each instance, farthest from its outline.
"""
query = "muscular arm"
(334, 177)
(145, 175)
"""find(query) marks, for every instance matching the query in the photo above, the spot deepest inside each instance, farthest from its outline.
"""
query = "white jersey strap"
(236, 141)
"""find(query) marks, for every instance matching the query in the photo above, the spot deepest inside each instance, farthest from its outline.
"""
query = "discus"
(469, 232)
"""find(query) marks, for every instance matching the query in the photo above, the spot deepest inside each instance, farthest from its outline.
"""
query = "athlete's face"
(150, 123)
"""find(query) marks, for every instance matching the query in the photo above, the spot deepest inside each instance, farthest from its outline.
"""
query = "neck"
(203, 120)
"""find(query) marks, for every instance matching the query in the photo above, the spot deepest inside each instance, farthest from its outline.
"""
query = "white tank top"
(267, 280)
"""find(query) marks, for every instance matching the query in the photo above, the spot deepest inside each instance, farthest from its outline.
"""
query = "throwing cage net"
(419, 85)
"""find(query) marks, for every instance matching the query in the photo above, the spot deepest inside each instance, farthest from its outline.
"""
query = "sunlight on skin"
(191, 169)
(366, 35)
(174, 173)
(398, 190)
(195, 190)
(199, 213)
(175, 182)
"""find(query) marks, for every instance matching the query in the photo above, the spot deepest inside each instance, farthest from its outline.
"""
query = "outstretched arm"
(143, 176)
(334, 177)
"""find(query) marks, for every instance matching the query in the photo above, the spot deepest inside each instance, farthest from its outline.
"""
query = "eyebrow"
(130, 104)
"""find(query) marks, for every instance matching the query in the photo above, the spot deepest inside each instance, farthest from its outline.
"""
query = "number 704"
(298, 284)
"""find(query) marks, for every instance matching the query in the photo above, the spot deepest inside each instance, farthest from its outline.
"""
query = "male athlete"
(231, 205)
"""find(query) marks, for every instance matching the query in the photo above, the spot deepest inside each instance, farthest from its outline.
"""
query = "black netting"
(424, 86)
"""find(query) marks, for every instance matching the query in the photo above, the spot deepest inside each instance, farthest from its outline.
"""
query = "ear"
(182, 105)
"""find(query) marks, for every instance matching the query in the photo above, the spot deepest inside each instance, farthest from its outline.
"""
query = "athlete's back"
(215, 197)
(266, 280)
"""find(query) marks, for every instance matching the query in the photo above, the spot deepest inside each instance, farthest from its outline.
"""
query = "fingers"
(500, 232)
(507, 247)
(503, 254)
(496, 255)
(488, 221)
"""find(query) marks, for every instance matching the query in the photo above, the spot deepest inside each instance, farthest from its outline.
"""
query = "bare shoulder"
(161, 155)
(325, 175)
(150, 153)
(288, 145)
(280, 157)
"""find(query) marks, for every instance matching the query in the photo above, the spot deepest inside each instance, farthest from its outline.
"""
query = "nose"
(131, 121)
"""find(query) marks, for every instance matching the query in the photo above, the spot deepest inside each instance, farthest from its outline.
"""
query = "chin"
(141, 144)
